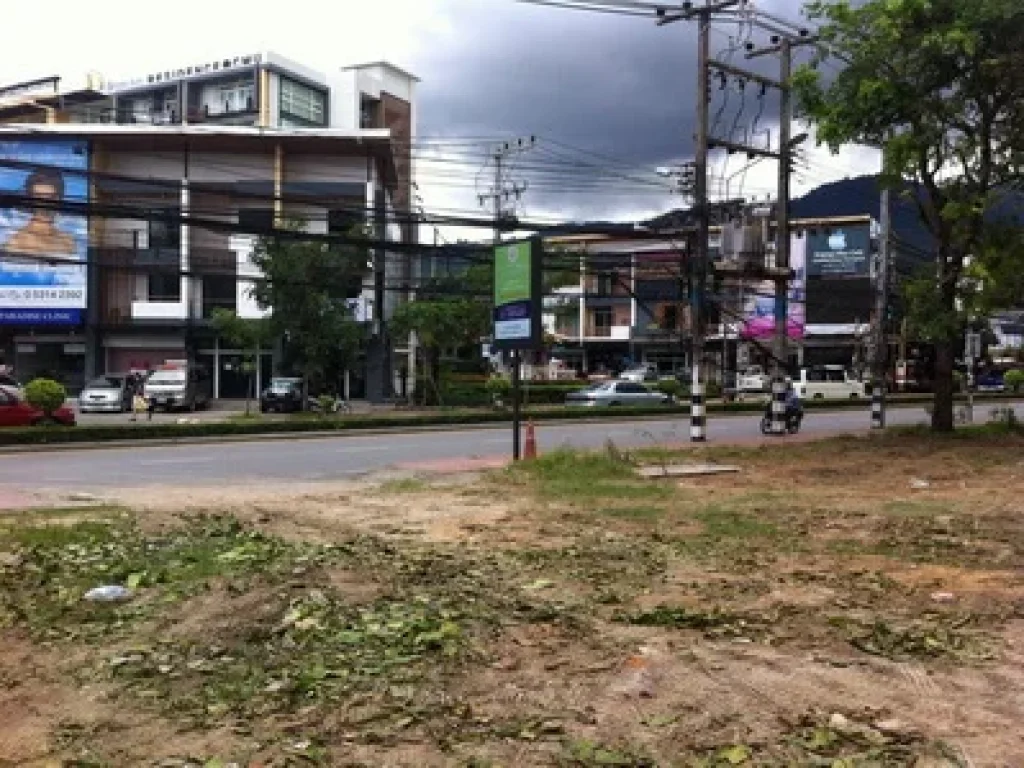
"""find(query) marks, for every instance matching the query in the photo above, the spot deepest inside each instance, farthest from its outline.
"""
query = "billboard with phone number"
(43, 247)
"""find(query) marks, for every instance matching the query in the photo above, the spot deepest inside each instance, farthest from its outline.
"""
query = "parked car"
(990, 381)
(107, 394)
(829, 382)
(753, 379)
(174, 385)
(15, 411)
(640, 373)
(284, 395)
(615, 393)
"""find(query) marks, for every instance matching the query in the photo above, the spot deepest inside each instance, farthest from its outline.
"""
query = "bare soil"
(851, 600)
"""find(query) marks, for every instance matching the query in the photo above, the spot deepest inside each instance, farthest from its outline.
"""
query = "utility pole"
(698, 407)
(783, 40)
(781, 351)
(497, 194)
(881, 357)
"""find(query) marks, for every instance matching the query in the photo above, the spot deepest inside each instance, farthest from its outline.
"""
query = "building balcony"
(608, 332)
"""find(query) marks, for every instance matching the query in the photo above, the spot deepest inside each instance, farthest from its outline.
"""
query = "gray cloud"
(614, 85)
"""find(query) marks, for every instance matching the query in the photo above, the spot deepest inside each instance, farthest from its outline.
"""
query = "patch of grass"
(51, 566)
(681, 618)
(947, 638)
(832, 740)
(584, 753)
(315, 649)
(567, 475)
(722, 523)
(645, 513)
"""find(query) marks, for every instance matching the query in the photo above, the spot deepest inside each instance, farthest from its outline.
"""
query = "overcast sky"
(610, 98)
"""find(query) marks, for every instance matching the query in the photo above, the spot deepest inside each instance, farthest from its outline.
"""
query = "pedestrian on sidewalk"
(139, 405)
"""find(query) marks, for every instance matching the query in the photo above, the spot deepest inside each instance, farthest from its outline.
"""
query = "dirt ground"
(844, 603)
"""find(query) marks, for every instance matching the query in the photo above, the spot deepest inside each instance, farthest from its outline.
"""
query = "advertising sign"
(843, 252)
(43, 250)
(517, 295)
(758, 321)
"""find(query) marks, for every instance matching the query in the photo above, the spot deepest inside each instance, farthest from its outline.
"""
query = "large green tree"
(308, 284)
(447, 313)
(939, 85)
(249, 335)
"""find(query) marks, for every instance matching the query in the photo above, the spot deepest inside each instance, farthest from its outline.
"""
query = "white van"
(829, 382)
(179, 385)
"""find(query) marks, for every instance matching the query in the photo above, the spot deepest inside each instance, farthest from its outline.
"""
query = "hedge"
(107, 433)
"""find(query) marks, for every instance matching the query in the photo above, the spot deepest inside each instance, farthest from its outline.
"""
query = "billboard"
(43, 252)
(758, 321)
(517, 295)
(842, 252)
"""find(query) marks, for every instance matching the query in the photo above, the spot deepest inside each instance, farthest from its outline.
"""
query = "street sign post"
(972, 353)
(517, 311)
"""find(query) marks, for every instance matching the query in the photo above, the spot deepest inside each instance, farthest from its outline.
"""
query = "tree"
(448, 312)
(45, 395)
(308, 286)
(249, 335)
(939, 85)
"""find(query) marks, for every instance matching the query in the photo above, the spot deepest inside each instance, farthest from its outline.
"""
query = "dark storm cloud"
(616, 85)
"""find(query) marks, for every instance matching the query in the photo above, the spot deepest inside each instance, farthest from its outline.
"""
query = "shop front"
(61, 358)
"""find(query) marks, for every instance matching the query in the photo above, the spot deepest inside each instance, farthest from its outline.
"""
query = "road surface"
(341, 457)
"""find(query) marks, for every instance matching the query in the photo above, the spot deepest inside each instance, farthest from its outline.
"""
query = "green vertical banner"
(517, 295)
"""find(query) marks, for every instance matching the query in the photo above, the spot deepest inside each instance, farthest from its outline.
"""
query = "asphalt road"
(340, 457)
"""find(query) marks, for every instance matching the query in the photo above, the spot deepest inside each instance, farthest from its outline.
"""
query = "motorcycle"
(794, 416)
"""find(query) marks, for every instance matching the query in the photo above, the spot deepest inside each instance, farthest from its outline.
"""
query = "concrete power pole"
(496, 195)
(881, 357)
(698, 407)
(781, 351)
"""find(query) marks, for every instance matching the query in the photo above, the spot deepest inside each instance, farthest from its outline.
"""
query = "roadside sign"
(517, 295)
(972, 347)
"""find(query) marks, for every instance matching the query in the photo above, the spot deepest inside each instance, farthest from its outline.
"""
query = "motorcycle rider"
(794, 408)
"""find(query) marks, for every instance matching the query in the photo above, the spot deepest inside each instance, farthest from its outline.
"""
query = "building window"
(303, 103)
(237, 97)
(603, 319)
(670, 317)
(165, 233)
(255, 221)
(164, 286)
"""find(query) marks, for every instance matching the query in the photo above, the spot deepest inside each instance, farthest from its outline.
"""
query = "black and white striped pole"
(698, 408)
(779, 404)
(878, 405)
(881, 341)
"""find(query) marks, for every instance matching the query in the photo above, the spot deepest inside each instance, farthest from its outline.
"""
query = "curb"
(14, 450)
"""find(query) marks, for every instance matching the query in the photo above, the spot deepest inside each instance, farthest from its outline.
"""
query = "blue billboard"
(43, 247)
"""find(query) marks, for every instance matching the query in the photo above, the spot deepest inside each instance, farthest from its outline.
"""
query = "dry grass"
(820, 606)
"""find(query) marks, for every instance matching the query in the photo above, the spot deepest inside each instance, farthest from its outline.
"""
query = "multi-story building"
(633, 301)
(163, 181)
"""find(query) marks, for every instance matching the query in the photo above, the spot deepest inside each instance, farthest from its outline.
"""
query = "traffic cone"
(530, 448)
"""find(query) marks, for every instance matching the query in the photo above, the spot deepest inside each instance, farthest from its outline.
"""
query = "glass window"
(106, 382)
(302, 102)
(816, 374)
(836, 375)
(164, 286)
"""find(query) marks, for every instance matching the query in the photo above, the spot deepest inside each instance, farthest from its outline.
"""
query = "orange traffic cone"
(530, 448)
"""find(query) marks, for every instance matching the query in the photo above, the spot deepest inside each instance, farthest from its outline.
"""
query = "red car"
(15, 412)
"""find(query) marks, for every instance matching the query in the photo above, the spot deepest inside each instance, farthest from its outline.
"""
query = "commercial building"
(633, 301)
(162, 182)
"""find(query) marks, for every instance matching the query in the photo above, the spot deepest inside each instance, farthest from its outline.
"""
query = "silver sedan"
(608, 394)
(107, 394)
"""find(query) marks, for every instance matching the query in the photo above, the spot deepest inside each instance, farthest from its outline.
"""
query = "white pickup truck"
(829, 382)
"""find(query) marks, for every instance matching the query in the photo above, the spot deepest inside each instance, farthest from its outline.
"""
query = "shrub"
(46, 395)
(1014, 380)
(498, 387)
(671, 387)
